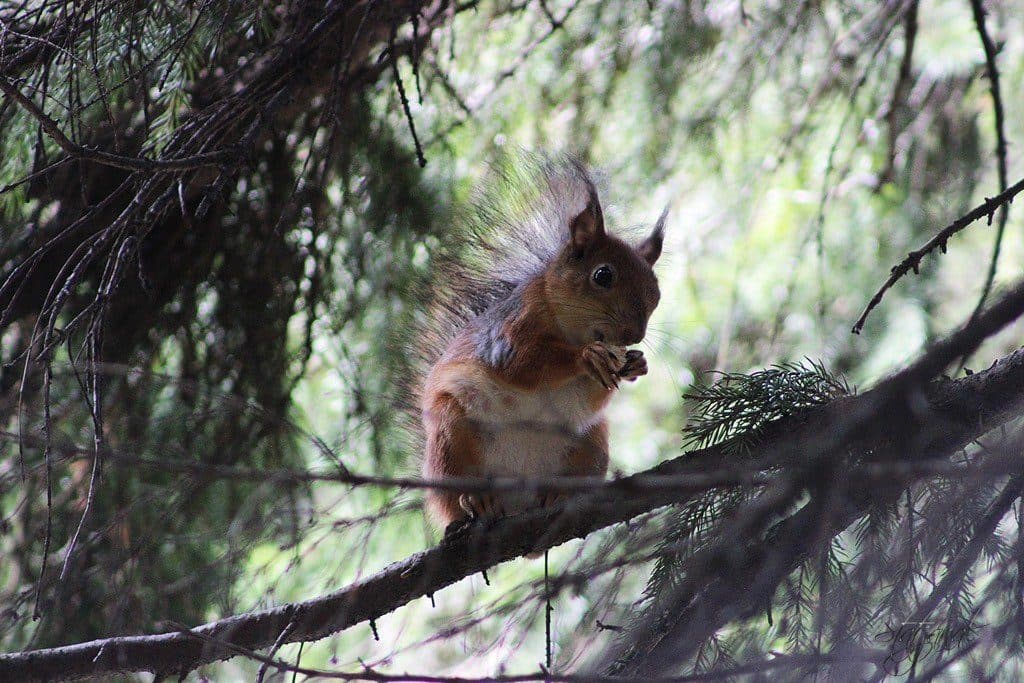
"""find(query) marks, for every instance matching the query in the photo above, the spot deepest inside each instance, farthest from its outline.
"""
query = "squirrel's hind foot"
(477, 508)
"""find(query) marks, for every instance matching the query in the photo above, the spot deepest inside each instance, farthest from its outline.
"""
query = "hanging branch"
(899, 91)
(76, 151)
(393, 57)
(1000, 126)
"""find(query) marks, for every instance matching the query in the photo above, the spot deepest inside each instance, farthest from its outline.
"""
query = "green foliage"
(732, 411)
(735, 407)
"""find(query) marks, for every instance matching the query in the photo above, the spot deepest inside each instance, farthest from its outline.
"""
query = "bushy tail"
(517, 223)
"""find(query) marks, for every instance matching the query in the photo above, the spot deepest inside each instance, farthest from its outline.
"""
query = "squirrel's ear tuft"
(588, 226)
(650, 248)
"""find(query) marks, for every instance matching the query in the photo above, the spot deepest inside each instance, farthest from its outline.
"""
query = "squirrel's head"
(599, 287)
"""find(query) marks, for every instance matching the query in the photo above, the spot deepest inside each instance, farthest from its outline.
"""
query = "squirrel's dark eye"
(603, 276)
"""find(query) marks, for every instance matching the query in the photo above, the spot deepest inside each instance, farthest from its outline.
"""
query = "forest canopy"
(220, 222)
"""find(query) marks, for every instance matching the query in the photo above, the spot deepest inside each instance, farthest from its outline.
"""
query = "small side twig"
(48, 457)
(421, 160)
(548, 609)
(899, 92)
(555, 25)
(273, 650)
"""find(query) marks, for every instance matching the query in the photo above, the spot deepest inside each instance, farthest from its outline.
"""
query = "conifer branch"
(953, 413)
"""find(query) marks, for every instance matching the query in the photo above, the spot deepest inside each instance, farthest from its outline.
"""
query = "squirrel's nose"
(634, 334)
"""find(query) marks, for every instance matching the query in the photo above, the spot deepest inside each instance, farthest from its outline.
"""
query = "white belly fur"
(527, 433)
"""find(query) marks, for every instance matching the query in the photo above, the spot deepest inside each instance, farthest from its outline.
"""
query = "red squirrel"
(533, 344)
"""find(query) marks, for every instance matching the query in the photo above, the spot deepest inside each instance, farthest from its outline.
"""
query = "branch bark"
(953, 411)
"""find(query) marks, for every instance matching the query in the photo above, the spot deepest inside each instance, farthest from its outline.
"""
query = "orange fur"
(453, 451)
(590, 458)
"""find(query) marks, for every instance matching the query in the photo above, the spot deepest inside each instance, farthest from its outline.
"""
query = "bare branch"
(76, 151)
(1000, 125)
(913, 260)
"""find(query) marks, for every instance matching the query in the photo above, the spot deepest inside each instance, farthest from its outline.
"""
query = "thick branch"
(901, 420)
(966, 407)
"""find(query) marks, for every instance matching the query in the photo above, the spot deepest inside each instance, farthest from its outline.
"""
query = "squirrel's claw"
(550, 498)
(455, 528)
(635, 366)
(479, 505)
(603, 363)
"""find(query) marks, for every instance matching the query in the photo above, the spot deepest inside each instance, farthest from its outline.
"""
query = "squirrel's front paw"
(635, 365)
(479, 505)
(603, 362)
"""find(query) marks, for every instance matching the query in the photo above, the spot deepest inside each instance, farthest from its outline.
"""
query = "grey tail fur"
(518, 223)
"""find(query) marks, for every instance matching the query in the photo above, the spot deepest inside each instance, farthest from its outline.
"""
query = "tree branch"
(897, 410)
(1000, 126)
(899, 420)
(913, 259)
(76, 151)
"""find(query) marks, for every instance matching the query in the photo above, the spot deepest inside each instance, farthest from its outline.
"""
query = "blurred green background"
(798, 165)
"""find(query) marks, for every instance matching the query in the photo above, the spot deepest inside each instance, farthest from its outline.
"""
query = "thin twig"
(548, 609)
(422, 160)
(794, 661)
(273, 651)
(77, 151)
(900, 89)
(1000, 127)
(913, 260)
